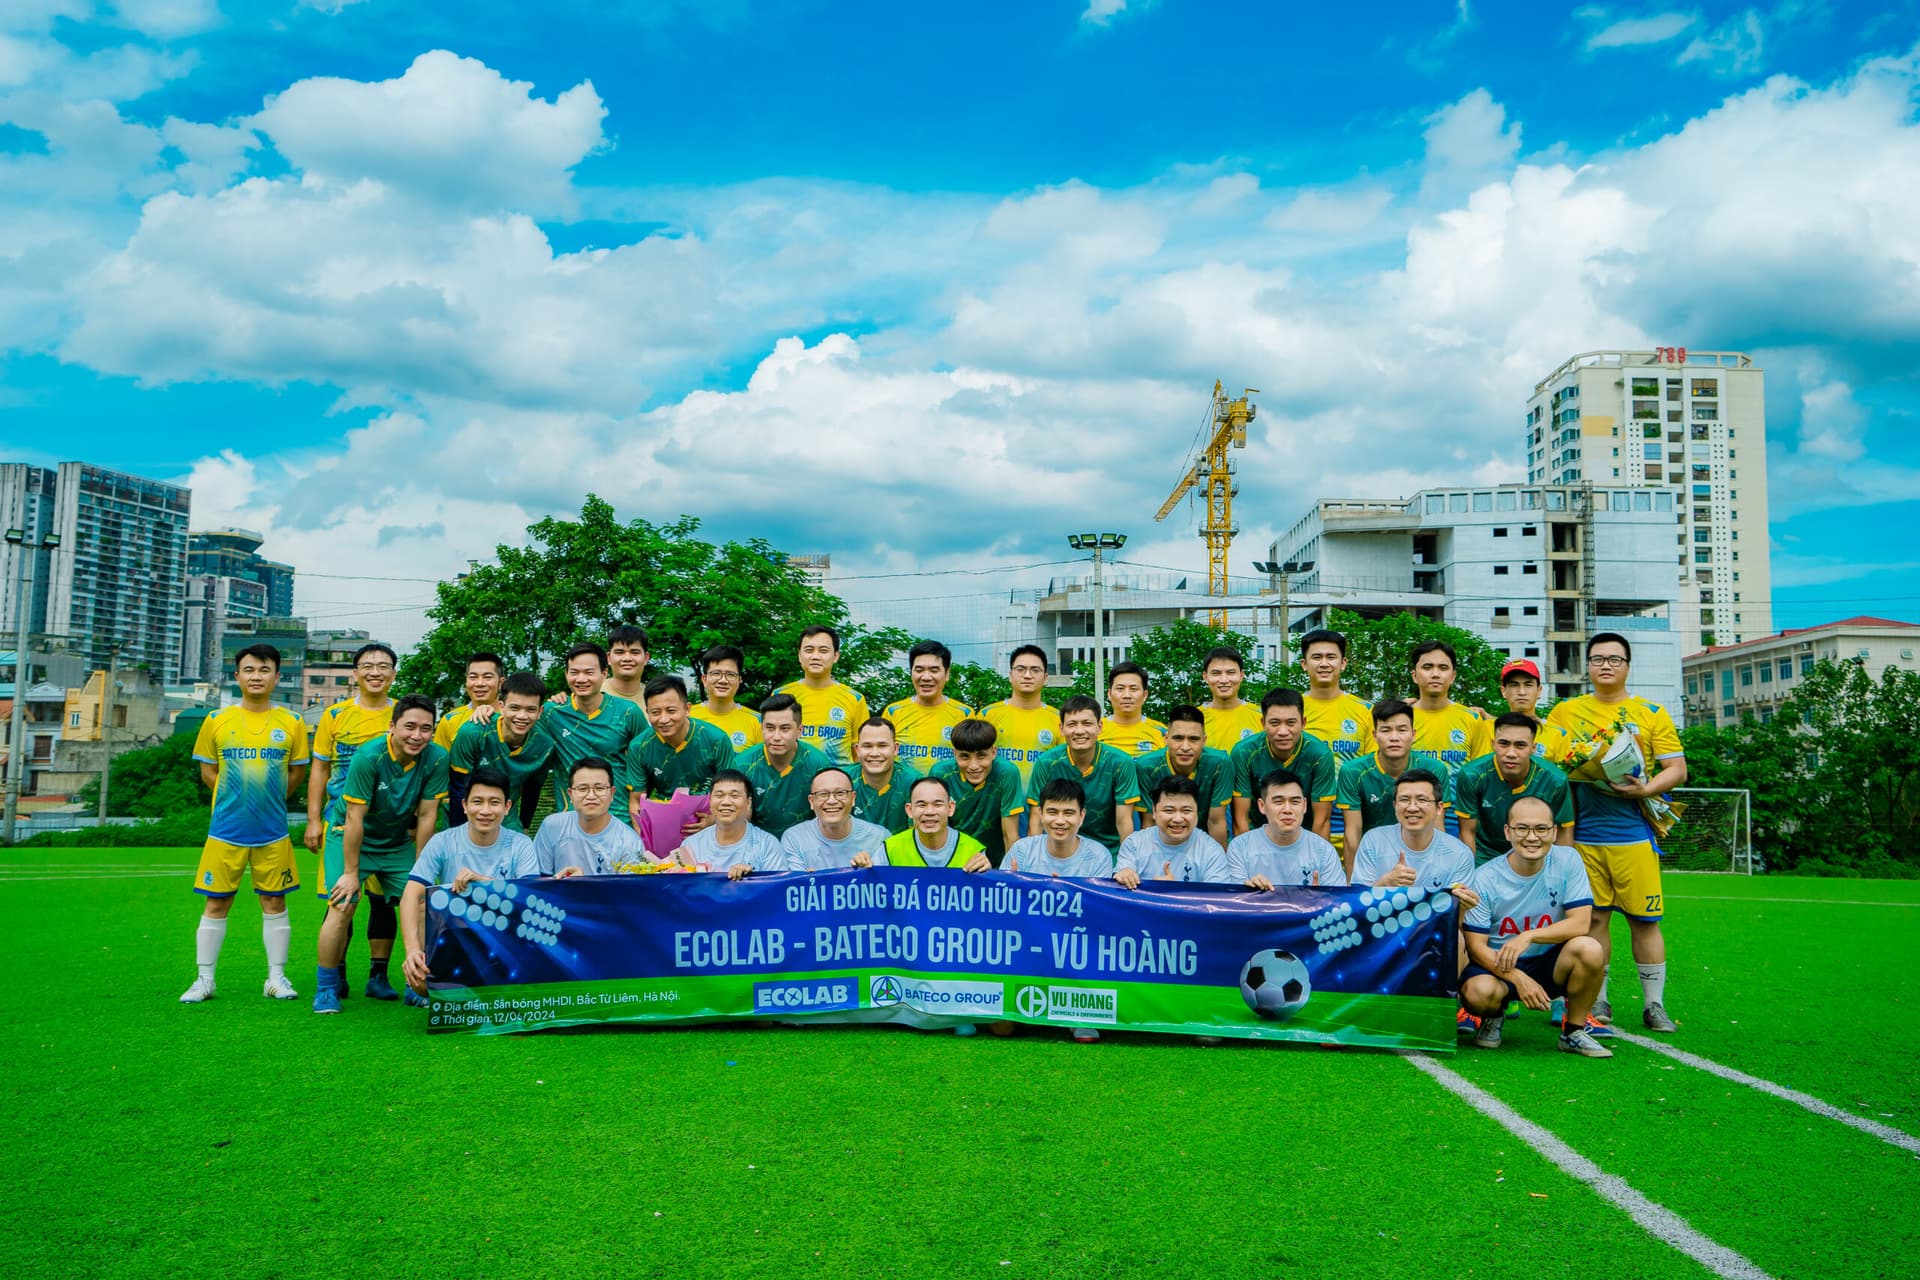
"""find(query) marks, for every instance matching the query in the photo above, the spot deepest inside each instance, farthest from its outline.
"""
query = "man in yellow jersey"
(1027, 727)
(1127, 729)
(1451, 731)
(924, 723)
(830, 712)
(627, 663)
(722, 668)
(485, 671)
(252, 756)
(1334, 716)
(1610, 829)
(1229, 716)
(1520, 686)
(344, 728)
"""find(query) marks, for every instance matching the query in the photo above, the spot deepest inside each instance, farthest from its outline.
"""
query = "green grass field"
(249, 1137)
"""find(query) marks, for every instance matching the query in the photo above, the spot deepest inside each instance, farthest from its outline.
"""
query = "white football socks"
(206, 944)
(277, 933)
(1653, 982)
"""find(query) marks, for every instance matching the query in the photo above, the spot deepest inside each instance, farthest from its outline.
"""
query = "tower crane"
(1224, 427)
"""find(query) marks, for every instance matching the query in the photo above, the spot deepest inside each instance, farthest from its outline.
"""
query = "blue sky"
(388, 283)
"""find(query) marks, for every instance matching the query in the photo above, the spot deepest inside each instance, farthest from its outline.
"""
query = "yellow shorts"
(1625, 877)
(221, 865)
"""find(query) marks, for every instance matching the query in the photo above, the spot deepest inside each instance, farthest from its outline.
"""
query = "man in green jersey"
(1484, 790)
(1366, 782)
(591, 721)
(1187, 755)
(781, 768)
(676, 753)
(1284, 743)
(1110, 788)
(880, 786)
(392, 795)
(986, 789)
(514, 742)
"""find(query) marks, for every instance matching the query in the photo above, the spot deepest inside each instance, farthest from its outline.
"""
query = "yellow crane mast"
(1224, 426)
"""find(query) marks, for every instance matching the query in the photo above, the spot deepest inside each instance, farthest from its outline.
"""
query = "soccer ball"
(1275, 984)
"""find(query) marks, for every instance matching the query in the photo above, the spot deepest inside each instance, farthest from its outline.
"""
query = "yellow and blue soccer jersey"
(1456, 734)
(344, 727)
(741, 725)
(254, 752)
(1344, 723)
(1025, 733)
(829, 717)
(1226, 727)
(922, 732)
(1602, 817)
(1147, 734)
(449, 724)
(1551, 742)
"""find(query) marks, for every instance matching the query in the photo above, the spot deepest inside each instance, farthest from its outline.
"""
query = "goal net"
(1715, 833)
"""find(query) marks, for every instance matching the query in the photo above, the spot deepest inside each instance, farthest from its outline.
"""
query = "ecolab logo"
(805, 997)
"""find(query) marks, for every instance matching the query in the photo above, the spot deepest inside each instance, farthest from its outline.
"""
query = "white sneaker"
(279, 988)
(202, 989)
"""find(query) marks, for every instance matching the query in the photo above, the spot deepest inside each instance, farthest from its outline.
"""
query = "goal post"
(1715, 832)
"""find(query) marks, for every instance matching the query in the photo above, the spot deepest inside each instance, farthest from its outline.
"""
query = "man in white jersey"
(1060, 850)
(1172, 847)
(835, 838)
(1527, 936)
(1281, 850)
(732, 846)
(585, 839)
(480, 849)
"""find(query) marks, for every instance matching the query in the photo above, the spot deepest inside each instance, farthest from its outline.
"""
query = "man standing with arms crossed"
(1610, 828)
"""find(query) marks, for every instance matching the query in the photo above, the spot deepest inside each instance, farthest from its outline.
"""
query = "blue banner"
(933, 948)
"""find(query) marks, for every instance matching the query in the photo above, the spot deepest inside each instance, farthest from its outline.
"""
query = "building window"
(1746, 677)
(1726, 711)
(1500, 571)
(1726, 683)
(1436, 504)
(1529, 568)
(1693, 686)
(1483, 502)
(1529, 531)
(1766, 672)
(73, 719)
(1703, 555)
(1646, 386)
(1706, 386)
(1500, 531)
(1533, 611)
(1506, 500)
(1786, 669)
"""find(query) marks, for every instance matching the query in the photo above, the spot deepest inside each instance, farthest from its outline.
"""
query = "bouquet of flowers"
(1612, 755)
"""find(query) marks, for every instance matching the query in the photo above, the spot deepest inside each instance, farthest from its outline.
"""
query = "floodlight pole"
(16, 732)
(1098, 544)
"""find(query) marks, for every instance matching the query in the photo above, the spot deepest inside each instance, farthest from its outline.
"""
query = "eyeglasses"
(374, 666)
(838, 793)
(1542, 832)
(1028, 669)
(591, 789)
(1413, 802)
(1606, 661)
(723, 675)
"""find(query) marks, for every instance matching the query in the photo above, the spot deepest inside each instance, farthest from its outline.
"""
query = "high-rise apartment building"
(1694, 423)
(235, 553)
(115, 585)
(227, 578)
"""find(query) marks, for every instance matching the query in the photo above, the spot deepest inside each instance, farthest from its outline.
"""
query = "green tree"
(1377, 650)
(152, 782)
(576, 579)
(968, 682)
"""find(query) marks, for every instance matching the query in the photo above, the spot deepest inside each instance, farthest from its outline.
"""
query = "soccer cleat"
(414, 1000)
(1602, 1011)
(279, 988)
(1488, 1036)
(1556, 1011)
(964, 1029)
(1085, 1035)
(1583, 1044)
(202, 989)
(1654, 1016)
(1514, 1009)
(1599, 1030)
(1464, 1023)
(326, 1000)
(379, 988)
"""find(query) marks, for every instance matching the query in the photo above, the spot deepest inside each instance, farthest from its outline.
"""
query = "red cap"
(1525, 666)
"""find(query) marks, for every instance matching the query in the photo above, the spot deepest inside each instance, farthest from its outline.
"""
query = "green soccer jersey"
(1365, 786)
(1212, 772)
(884, 807)
(485, 746)
(999, 795)
(392, 788)
(1312, 761)
(1483, 797)
(656, 770)
(1109, 783)
(780, 798)
(606, 733)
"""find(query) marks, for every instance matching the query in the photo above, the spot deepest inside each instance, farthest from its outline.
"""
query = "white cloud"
(1468, 142)
(1099, 13)
(168, 19)
(1733, 48)
(328, 6)
(449, 128)
(1627, 33)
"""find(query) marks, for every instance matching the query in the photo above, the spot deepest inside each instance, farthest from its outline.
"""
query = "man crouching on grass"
(1535, 904)
(479, 850)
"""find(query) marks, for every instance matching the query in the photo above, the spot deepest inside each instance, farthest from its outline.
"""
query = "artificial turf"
(249, 1137)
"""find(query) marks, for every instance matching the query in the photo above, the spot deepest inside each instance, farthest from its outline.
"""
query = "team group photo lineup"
(1539, 824)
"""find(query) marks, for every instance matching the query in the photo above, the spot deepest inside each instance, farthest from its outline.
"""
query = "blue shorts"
(1538, 967)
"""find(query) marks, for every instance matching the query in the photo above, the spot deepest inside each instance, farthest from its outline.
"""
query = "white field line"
(125, 875)
(1805, 902)
(1658, 1221)
(1872, 1128)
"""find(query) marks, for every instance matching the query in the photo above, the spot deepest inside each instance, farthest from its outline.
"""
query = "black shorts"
(1538, 967)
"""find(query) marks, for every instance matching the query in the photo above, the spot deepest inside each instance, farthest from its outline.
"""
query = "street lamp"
(17, 737)
(1098, 544)
(1280, 570)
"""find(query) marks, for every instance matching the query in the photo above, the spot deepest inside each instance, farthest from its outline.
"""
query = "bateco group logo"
(884, 990)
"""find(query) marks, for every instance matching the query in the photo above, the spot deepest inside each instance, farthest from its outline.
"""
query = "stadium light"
(16, 734)
(1099, 544)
